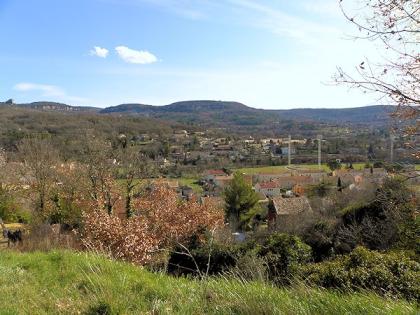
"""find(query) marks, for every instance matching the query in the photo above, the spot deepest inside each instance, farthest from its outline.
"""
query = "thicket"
(392, 274)
(10, 209)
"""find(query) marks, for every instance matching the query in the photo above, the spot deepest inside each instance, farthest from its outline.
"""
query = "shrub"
(284, 254)
(320, 236)
(10, 210)
(387, 274)
(64, 211)
(161, 222)
(196, 261)
(385, 223)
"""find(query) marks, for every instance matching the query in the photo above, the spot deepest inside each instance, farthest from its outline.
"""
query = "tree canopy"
(241, 202)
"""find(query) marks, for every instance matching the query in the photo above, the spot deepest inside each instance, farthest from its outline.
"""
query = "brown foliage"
(161, 221)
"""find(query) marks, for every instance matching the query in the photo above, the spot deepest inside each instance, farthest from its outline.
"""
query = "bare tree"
(395, 25)
(133, 166)
(40, 160)
(100, 170)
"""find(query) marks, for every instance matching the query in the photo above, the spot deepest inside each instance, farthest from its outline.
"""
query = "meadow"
(64, 282)
(285, 168)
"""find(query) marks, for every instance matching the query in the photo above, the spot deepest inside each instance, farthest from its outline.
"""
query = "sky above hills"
(264, 53)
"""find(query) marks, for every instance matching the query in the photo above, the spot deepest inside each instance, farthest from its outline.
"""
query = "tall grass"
(63, 282)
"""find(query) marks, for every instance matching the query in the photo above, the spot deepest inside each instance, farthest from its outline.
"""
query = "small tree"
(334, 165)
(241, 202)
(100, 171)
(40, 159)
(162, 221)
(133, 166)
(319, 190)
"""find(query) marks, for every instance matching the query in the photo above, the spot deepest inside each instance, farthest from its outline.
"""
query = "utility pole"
(290, 150)
(319, 151)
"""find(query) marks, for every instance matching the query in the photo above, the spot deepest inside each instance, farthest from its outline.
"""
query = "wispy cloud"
(185, 8)
(328, 8)
(189, 9)
(263, 14)
(99, 52)
(280, 22)
(47, 90)
(135, 56)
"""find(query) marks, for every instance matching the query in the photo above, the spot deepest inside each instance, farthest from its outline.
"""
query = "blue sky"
(264, 53)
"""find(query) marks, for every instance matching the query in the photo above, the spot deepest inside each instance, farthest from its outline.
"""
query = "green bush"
(196, 261)
(64, 212)
(10, 210)
(284, 254)
(320, 236)
(385, 273)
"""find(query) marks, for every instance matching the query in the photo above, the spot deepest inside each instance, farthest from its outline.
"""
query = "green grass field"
(78, 283)
(284, 169)
(192, 182)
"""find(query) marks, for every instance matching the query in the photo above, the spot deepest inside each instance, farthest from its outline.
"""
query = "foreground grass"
(78, 283)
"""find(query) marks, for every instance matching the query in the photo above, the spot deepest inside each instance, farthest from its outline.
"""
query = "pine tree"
(241, 202)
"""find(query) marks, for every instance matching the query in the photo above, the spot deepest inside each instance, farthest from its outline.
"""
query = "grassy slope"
(69, 283)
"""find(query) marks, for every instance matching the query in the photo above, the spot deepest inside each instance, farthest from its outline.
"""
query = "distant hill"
(219, 112)
(377, 114)
(53, 106)
(223, 114)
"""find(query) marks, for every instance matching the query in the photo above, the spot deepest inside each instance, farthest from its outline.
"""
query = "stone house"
(287, 211)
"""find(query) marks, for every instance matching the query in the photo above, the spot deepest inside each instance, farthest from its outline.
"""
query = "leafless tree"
(40, 160)
(101, 166)
(395, 25)
(133, 166)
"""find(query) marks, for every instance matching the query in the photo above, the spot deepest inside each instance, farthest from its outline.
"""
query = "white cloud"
(135, 56)
(99, 52)
(47, 90)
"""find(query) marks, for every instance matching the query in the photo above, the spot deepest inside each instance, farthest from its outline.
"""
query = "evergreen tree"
(241, 202)
(334, 165)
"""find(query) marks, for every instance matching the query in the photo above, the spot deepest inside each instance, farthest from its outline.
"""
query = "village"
(213, 148)
(285, 191)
